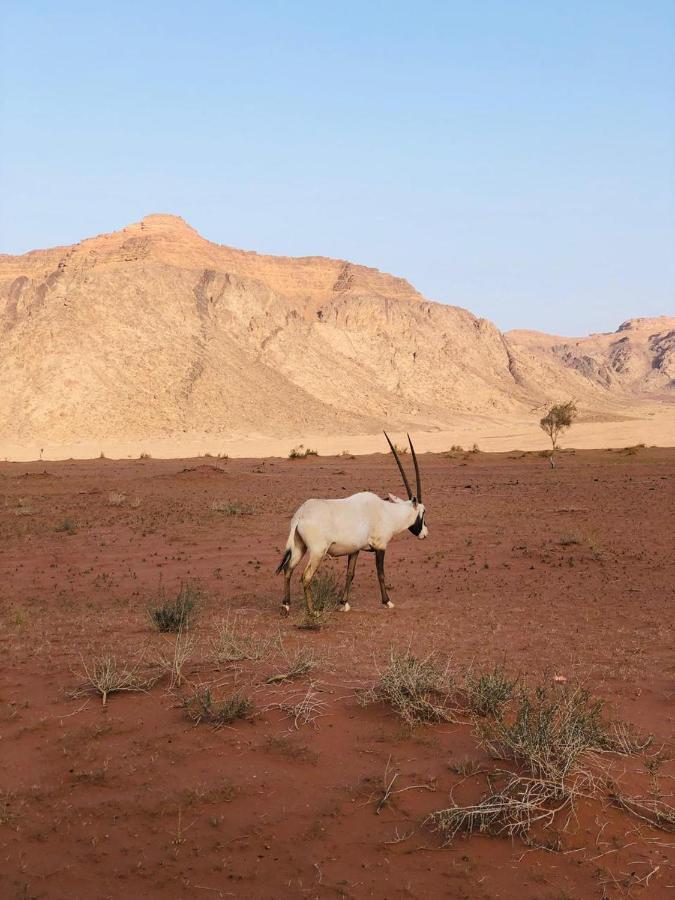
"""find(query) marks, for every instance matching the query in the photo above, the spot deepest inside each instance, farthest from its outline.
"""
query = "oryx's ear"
(393, 499)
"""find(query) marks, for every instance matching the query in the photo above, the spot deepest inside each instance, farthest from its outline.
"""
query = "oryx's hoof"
(344, 607)
(389, 604)
(285, 609)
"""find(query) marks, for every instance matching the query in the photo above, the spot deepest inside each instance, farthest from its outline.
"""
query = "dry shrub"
(230, 508)
(177, 614)
(235, 642)
(295, 666)
(201, 707)
(301, 452)
(417, 689)
(486, 693)
(105, 675)
(554, 736)
(173, 658)
(326, 593)
(115, 498)
(305, 708)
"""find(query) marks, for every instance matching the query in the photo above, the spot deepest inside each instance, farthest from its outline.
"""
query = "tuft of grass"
(229, 508)
(105, 675)
(145, 455)
(116, 499)
(301, 452)
(327, 594)
(235, 642)
(417, 689)
(296, 666)
(173, 658)
(488, 692)
(569, 538)
(201, 707)
(179, 613)
(67, 527)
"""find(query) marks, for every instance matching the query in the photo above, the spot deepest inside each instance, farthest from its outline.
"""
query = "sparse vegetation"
(417, 689)
(201, 707)
(556, 421)
(179, 613)
(488, 692)
(301, 452)
(569, 538)
(145, 456)
(105, 675)
(301, 663)
(231, 508)
(554, 736)
(306, 708)
(67, 527)
(235, 642)
(172, 658)
(116, 499)
(326, 593)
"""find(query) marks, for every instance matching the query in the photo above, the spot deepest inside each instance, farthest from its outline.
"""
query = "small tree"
(558, 419)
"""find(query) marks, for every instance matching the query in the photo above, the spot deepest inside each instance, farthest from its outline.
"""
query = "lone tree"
(558, 419)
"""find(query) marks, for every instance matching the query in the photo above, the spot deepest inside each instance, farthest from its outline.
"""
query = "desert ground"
(560, 577)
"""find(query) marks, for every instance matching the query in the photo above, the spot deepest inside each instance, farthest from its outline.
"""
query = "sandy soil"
(651, 424)
(134, 800)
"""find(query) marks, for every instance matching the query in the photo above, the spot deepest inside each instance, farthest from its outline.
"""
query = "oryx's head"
(418, 527)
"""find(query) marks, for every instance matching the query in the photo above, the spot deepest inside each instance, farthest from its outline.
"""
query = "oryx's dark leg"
(286, 606)
(297, 553)
(379, 562)
(351, 565)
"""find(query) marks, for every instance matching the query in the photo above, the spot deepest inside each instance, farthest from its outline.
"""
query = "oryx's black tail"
(284, 562)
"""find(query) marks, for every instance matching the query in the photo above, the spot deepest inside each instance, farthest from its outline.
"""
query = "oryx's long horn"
(417, 469)
(400, 467)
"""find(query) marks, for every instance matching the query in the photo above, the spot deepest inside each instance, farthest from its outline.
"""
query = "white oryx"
(363, 521)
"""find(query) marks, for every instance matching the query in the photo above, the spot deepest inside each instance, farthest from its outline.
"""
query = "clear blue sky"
(516, 158)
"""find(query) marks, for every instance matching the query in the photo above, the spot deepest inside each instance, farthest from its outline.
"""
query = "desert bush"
(488, 692)
(301, 452)
(145, 455)
(201, 707)
(231, 508)
(179, 613)
(417, 689)
(235, 641)
(475, 448)
(554, 736)
(116, 499)
(68, 526)
(105, 675)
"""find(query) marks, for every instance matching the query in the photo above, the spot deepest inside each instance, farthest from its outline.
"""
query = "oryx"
(344, 527)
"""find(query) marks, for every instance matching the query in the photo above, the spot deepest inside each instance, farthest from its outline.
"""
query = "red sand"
(135, 801)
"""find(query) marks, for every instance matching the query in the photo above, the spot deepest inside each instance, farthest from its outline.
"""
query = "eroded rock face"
(154, 330)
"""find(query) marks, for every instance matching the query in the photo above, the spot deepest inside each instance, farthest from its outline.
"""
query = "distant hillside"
(154, 331)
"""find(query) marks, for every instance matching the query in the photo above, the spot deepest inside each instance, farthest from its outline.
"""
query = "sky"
(515, 158)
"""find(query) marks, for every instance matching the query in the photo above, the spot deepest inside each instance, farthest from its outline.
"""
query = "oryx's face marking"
(418, 527)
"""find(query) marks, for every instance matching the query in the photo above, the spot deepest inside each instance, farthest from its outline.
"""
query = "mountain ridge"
(152, 331)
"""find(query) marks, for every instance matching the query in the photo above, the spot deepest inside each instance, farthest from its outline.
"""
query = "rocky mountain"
(153, 331)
